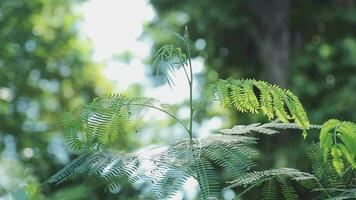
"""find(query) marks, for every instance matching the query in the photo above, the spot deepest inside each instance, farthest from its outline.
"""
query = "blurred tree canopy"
(46, 69)
(307, 46)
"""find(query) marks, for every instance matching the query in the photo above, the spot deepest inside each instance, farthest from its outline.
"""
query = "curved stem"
(200, 102)
(335, 140)
(322, 187)
(183, 65)
(162, 110)
(249, 188)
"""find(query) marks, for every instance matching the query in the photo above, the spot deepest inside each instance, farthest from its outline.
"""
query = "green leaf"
(338, 139)
(272, 101)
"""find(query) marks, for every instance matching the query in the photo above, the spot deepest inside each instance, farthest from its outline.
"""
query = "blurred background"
(58, 54)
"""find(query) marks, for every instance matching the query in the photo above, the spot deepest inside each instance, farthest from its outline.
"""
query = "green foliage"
(321, 65)
(269, 179)
(338, 139)
(344, 194)
(165, 168)
(167, 60)
(272, 101)
(269, 191)
(267, 128)
(101, 122)
(334, 185)
(91, 128)
(168, 167)
(261, 176)
(170, 57)
(324, 179)
(324, 171)
(46, 70)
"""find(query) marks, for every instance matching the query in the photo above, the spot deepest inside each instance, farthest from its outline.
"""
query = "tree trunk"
(271, 36)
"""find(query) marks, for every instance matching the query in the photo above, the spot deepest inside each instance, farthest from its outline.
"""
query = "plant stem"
(183, 65)
(249, 188)
(200, 102)
(322, 188)
(186, 37)
(191, 110)
(335, 140)
(162, 110)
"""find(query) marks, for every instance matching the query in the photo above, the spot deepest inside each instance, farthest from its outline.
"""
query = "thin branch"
(251, 187)
(183, 65)
(186, 39)
(162, 110)
(322, 187)
(335, 140)
(200, 102)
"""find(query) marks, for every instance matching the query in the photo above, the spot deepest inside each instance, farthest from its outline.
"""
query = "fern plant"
(270, 178)
(273, 101)
(338, 138)
(92, 129)
(324, 181)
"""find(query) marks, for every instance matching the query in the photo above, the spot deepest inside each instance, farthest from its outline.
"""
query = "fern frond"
(198, 157)
(93, 126)
(69, 170)
(267, 128)
(257, 176)
(343, 194)
(324, 171)
(297, 110)
(272, 101)
(338, 139)
(239, 101)
(168, 167)
(222, 94)
(167, 60)
(207, 178)
(105, 164)
(287, 190)
(269, 177)
(73, 130)
(269, 191)
(266, 100)
(169, 183)
(279, 104)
